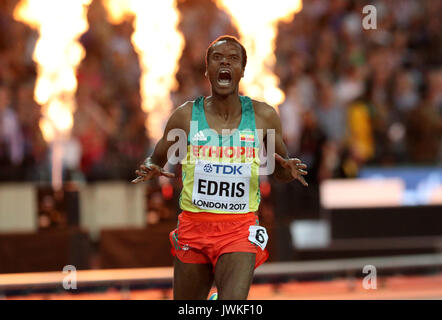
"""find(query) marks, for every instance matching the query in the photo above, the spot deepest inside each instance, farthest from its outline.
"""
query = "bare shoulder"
(181, 116)
(265, 115)
(184, 110)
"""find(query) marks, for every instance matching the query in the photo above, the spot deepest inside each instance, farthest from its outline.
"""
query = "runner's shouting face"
(225, 67)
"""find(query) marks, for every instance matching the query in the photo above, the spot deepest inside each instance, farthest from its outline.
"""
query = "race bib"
(258, 235)
(222, 186)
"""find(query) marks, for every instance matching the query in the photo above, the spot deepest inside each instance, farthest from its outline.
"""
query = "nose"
(225, 61)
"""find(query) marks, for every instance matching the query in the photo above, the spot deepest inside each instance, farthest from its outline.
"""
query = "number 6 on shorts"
(258, 235)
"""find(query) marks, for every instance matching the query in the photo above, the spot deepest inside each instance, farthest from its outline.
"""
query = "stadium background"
(357, 104)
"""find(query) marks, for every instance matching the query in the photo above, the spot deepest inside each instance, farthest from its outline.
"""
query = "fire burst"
(159, 45)
(257, 25)
(57, 54)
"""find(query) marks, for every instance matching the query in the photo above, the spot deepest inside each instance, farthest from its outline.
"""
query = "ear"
(205, 73)
(242, 73)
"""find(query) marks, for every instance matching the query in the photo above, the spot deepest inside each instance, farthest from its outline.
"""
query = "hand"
(295, 166)
(148, 170)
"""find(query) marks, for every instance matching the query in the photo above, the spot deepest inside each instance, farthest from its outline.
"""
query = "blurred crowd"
(354, 97)
(360, 97)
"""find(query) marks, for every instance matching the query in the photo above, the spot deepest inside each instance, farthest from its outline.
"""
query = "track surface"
(396, 287)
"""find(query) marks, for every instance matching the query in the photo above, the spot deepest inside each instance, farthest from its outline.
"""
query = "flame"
(256, 22)
(159, 45)
(57, 54)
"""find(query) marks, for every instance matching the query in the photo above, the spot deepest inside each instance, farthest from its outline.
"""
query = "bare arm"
(286, 169)
(153, 165)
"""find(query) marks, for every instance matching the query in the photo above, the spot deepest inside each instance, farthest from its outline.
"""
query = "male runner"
(218, 236)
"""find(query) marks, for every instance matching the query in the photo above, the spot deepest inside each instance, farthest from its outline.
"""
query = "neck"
(224, 106)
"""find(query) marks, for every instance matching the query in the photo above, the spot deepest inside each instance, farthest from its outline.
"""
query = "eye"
(216, 56)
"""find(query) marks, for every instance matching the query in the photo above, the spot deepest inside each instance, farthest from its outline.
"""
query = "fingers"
(167, 174)
(137, 180)
(301, 166)
(302, 180)
(296, 167)
(143, 173)
(297, 170)
(281, 160)
(303, 172)
(284, 162)
(147, 168)
(150, 171)
(300, 173)
(142, 176)
(295, 164)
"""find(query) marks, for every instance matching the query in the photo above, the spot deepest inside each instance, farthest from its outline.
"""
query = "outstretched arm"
(153, 165)
(286, 169)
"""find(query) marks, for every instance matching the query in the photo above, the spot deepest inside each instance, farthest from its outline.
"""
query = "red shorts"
(202, 237)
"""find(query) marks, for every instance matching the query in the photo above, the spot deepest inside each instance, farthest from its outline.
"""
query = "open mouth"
(224, 77)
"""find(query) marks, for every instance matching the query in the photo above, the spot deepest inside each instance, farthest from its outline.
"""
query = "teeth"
(224, 73)
(224, 82)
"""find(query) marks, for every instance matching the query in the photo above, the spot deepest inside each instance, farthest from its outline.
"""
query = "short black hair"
(228, 39)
